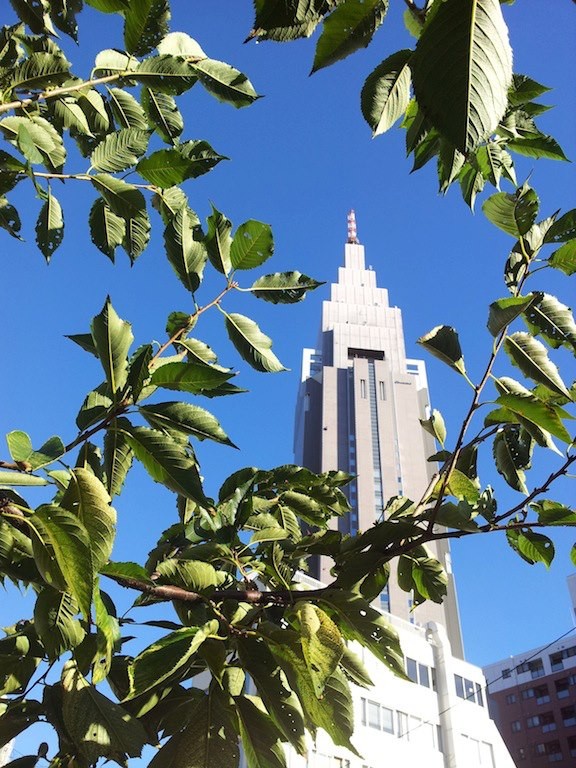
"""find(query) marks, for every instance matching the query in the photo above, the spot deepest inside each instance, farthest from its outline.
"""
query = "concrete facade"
(532, 698)
(358, 410)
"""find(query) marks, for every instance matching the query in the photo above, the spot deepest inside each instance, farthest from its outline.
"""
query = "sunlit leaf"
(253, 345)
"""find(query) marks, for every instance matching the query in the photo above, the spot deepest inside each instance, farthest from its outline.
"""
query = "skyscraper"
(358, 410)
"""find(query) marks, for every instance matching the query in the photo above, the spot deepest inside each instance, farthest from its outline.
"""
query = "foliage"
(229, 565)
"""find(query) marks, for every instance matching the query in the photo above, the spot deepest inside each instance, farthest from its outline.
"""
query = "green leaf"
(435, 426)
(120, 150)
(354, 669)
(563, 229)
(268, 534)
(186, 254)
(357, 620)
(531, 357)
(349, 27)
(168, 167)
(187, 419)
(283, 287)
(124, 199)
(553, 513)
(553, 320)
(322, 644)
(462, 69)
(180, 44)
(189, 377)
(442, 342)
(167, 462)
(493, 161)
(505, 311)
(471, 183)
(253, 244)
(126, 110)
(113, 62)
(118, 457)
(139, 370)
(87, 497)
(126, 571)
(145, 24)
(524, 89)
(21, 478)
(94, 108)
(225, 83)
(45, 138)
(69, 546)
(55, 622)
(107, 230)
(165, 74)
(537, 146)
(97, 726)
(532, 547)
(163, 114)
(515, 214)
(563, 259)
(112, 339)
(386, 92)
(272, 686)
(21, 450)
(39, 71)
(260, 737)
(218, 241)
(166, 657)
(528, 407)
(252, 345)
(50, 226)
(512, 454)
(209, 740)
(69, 114)
(9, 218)
(287, 21)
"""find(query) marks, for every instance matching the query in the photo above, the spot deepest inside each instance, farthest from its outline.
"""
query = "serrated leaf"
(94, 108)
(95, 407)
(118, 456)
(528, 407)
(185, 418)
(113, 62)
(553, 320)
(120, 150)
(514, 214)
(97, 726)
(112, 340)
(350, 26)
(169, 167)
(386, 92)
(21, 450)
(39, 71)
(69, 548)
(435, 426)
(512, 454)
(471, 183)
(225, 83)
(553, 513)
(562, 229)
(166, 461)
(287, 21)
(537, 146)
(9, 218)
(190, 377)
(165, 74)
(218, 241)
(145, 24)
(564, 258)
(136, 235)
(21, 478)
(50, 226)
(44, 137)
(87, 497)
(107, 230)
(462, 69)
(166, 657)
(163, 114)
(126, 110)
(69, 114)
(268, 534)
(523, 89)
(252, 345)
(358, 621)
(124, 199)
(55, 622)
(442, 342)
(531, 357)
(283, 287)
(532, 547)
(253, 244)
(505, 311)
(272, 686)
(260, 737)
(322, 644)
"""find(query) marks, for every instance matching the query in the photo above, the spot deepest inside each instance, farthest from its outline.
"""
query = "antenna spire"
(352, 235)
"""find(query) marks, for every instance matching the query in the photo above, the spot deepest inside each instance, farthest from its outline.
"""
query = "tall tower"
(358, 410)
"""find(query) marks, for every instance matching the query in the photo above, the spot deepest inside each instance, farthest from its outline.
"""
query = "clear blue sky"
(300, 159)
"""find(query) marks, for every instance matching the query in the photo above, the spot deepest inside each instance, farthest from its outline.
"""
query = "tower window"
(363, 389)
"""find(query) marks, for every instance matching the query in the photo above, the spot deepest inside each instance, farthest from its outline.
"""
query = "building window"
(547, 722)
(532, 722)
(382, 390)
(511, 698)
(363, 389)
(556, 662)
(521, 753)
(572, 745)
(516, 726)
(539, 692)
(423, 676)
(412, 670)
(468, 690)
(506, 673)
(550, 748)
(568, 716)
(562, 688)
(376, 716)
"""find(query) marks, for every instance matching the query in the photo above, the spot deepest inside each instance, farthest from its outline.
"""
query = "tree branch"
(55, 92)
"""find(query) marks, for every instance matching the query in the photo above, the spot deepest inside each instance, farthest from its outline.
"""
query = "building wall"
(532, 697)
(359, 410)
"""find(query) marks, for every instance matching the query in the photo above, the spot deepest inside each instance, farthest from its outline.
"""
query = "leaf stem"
(55, 92)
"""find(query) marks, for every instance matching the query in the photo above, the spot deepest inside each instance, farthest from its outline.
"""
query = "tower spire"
(352, 236)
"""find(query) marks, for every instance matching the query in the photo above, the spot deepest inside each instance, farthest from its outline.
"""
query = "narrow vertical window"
(363, 389)
(382, 390)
